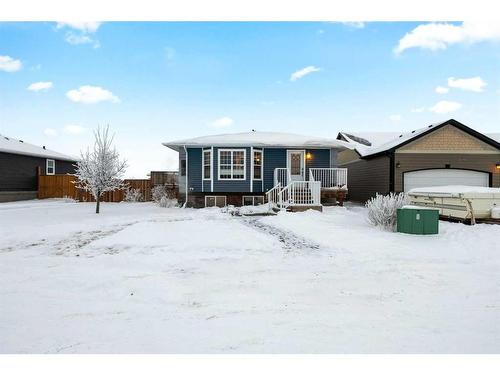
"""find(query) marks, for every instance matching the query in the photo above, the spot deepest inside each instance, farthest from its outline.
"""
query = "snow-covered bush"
(163, 196)
(382, 209)
(167, 202)
(133, 195)
(158, 192)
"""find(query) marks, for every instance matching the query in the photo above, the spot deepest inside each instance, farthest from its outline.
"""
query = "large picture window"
(257, 165)
(232, 164)
(207, 164)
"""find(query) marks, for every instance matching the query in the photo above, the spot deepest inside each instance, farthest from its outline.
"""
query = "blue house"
(288, 170)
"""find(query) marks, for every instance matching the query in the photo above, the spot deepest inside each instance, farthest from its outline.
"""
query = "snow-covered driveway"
(143, 279)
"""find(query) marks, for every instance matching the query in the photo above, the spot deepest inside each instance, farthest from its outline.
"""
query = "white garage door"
(442, 177)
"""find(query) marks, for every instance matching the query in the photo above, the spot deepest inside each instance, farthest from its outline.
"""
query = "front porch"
(295, 190)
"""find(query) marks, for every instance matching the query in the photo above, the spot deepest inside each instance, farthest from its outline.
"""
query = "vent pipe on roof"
(21, 140)
(43, 147)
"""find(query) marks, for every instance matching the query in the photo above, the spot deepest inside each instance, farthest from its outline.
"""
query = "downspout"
(251, 169)
(187, 179)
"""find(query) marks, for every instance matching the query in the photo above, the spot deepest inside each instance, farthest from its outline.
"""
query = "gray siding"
(477, 162)
(19, 172)
(365, 178)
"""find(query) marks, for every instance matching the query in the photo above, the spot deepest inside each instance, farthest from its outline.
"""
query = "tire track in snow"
(290, 241)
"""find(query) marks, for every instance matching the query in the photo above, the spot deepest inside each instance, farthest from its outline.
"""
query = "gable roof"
(19, 147)
(259, 139)
(405, 138)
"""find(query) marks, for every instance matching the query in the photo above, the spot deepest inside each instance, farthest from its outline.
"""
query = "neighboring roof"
(19, 147)
(495, 136)
(404, 138)
(259, 139)
(373, 139)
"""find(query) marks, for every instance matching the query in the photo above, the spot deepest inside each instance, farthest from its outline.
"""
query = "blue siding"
(231, 186)
(320, 159)
(273, 158)
(194, 169)
(257, 186)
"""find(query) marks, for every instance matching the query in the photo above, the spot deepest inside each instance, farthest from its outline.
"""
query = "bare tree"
(100, 170)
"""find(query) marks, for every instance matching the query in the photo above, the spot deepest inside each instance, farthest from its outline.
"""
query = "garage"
(442, 177)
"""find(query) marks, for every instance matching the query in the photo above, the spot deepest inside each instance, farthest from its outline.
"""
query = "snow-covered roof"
(397, 139)
(16, 146)
(259, 139)
(373, 139)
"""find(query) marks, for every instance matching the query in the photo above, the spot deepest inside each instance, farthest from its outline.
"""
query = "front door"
(296, 164)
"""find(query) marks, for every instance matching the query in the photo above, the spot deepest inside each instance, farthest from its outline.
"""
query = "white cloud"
(418, 109)
(91, 94)
(437, 36)
(40, 86)
(395, 118)
(223, 122)
(442, 90)
(8, 64)
(445, 106)
(355, 25)
(85, 27)
(303, 72)
(76, 39)
(475, 84)
(74, 129)
(49, 132)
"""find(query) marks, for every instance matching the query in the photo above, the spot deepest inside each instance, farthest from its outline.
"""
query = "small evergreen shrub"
(382, 209)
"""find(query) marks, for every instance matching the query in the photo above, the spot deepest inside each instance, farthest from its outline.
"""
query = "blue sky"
(155, 82)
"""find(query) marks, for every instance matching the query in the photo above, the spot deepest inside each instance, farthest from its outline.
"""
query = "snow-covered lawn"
(143, 279)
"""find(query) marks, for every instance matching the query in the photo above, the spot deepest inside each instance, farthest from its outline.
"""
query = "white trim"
(261, 164)
(251, 169)
(232, 150)
(212, 167)
(203, 164)
(187, 179)
(216, 196)
(47, 167)
(303, 166)
(253, 199)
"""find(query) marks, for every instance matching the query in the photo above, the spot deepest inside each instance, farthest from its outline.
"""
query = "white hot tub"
(459, 202)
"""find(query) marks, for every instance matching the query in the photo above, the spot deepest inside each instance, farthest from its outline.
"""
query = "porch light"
(309, 156)
(398, 165)
(497, 166)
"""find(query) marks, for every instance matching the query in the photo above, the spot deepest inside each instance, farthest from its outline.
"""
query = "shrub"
(163, 196)
(133, 195)
(382, 209)
(158, 192)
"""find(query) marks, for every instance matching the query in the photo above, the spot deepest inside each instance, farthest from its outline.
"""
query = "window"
(232, 164)
(215, 201)
(183, 167)
(253, 200)
(207, 164)
(257, 165)
(51, 167)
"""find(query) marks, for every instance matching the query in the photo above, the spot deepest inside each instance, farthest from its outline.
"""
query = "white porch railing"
(296, 193)
(282, 176)
(329, 177)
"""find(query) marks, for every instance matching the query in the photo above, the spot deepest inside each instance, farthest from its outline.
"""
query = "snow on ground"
(143, 279)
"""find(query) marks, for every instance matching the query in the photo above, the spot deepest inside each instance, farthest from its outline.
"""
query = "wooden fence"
(62, 186)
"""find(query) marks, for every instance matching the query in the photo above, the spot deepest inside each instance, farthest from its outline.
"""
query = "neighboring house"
(447, 153)
(20, 163)
(254, 167)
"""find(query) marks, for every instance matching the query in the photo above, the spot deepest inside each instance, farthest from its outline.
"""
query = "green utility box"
(418, 220)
